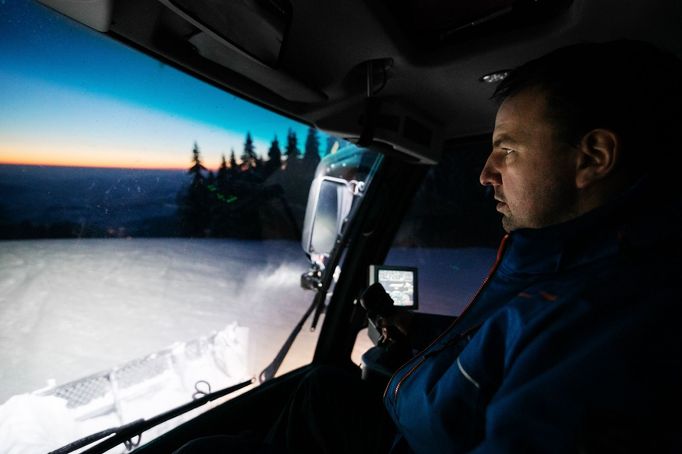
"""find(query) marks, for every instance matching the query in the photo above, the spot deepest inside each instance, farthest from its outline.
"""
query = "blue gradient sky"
(72, 97)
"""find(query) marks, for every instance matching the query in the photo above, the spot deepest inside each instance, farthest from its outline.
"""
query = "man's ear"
(598, 152)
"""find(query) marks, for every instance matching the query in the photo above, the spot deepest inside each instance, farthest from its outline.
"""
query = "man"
(573, 344)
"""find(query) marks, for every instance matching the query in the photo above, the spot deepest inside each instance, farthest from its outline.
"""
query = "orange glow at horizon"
(49, 158)
(93, 164)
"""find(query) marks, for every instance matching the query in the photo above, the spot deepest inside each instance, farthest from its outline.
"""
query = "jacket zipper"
(498, 259)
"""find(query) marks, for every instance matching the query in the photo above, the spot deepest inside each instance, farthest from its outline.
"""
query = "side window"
(451, 232)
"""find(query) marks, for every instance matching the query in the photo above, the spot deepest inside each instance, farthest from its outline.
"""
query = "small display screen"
(399, 282)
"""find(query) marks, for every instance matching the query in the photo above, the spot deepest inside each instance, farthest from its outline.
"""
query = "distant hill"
(43, 201)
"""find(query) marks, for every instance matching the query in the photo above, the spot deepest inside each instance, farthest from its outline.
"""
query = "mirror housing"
(329, 203)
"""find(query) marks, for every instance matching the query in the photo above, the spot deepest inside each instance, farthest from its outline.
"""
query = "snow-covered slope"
(69, 308)
(76, 308)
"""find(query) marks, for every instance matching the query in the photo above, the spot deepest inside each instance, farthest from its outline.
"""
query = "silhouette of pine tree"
(234, 199)
(197, 167)
(223, 175)
(274, 157)
(311, 157)
(292, 152)
(195, 205)
(221, 197)
(233, 162)
(249, 154)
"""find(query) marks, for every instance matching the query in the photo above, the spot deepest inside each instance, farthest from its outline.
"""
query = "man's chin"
(508, 224)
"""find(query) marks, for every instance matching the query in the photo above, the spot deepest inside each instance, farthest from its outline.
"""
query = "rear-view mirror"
(329, 203)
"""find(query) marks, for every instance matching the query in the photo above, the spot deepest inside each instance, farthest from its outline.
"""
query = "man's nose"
(490, 176)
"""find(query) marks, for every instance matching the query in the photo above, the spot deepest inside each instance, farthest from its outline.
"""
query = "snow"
(213, 310)
(72, 308)
(33, 424)
(69, 308)
(47, 420)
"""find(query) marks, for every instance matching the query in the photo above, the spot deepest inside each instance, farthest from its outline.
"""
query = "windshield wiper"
(126, 432)
(272, 368)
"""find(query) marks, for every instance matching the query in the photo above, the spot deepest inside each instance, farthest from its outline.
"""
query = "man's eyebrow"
(497, 141)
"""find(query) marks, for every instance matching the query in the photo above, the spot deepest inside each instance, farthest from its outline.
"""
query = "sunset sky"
(72, 97)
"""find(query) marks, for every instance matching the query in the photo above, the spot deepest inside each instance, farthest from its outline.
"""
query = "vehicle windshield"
(150, 233)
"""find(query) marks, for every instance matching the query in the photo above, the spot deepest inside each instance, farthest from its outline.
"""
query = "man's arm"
(608, 383)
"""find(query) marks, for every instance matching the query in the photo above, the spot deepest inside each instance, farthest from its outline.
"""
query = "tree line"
(254, 197)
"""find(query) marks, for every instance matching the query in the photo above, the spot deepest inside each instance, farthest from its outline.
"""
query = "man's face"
(531, 172)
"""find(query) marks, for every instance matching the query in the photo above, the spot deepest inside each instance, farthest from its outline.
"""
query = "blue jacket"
(574, 344)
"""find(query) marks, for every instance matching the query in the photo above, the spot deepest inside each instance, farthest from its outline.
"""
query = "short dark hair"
(630, 87)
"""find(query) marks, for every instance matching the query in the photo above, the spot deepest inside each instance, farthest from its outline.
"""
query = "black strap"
(372, 107)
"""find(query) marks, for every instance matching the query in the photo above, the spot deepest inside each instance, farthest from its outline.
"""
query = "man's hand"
(390, 321)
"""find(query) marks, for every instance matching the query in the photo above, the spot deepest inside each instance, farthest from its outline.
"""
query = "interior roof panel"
(328, 41)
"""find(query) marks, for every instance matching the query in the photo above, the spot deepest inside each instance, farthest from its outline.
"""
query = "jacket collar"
(637, 218)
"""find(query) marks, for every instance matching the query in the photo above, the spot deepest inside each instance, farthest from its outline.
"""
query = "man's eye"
(507, 151)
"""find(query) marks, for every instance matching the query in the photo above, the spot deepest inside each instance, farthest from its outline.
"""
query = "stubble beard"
(556, 207)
